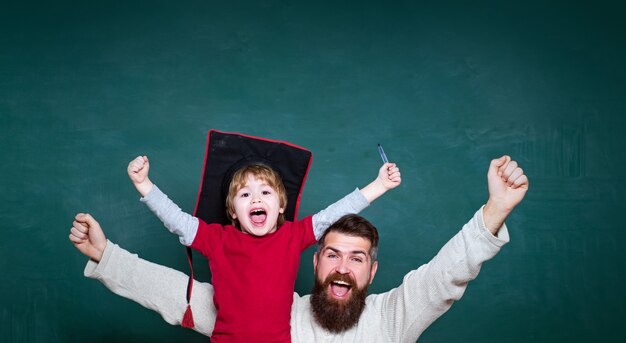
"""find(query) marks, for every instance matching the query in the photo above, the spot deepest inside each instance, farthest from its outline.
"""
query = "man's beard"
(335, 315)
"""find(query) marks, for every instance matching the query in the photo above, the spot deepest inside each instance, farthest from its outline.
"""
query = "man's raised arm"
(155, 287)
(429, 291)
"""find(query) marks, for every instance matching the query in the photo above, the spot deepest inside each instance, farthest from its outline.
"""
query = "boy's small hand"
(389, 175)
(138, 173)
(388, 178)
(138, 169)
(87, 236)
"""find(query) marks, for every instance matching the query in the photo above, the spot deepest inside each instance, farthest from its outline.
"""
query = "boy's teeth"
(258, 215)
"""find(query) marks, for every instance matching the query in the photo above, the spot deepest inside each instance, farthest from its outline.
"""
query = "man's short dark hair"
(356, 226)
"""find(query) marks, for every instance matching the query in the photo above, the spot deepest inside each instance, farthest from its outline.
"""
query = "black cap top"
(227, 152)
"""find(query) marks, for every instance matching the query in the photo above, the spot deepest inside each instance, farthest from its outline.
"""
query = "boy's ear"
(233, 215)
(281, 210)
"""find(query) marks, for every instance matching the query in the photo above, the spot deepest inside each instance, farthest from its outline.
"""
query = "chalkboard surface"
(444, 86)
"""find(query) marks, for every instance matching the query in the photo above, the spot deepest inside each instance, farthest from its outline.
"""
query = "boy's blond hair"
(260, 172)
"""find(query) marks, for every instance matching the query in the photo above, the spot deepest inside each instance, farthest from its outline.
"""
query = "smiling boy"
(256, 200)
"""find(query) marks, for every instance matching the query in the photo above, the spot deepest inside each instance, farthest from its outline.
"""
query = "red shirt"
(253, 278)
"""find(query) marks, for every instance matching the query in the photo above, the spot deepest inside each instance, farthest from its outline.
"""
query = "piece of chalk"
(382, 153)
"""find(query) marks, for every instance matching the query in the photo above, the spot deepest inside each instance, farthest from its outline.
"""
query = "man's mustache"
(337, 277)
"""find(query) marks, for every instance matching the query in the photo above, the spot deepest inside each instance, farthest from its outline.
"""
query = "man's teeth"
(343, 283)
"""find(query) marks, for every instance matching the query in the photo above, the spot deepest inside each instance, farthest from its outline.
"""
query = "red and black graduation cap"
(227, 152)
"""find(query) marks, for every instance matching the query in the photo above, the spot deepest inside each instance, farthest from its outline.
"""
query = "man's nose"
(342, 267)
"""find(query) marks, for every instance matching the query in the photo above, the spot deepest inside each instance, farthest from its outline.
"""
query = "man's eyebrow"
(354, 252)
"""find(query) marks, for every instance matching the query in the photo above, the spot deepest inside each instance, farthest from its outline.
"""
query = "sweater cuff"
(94, 269)
(502, 235)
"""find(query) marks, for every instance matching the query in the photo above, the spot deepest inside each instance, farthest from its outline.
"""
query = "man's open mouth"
(340, 288)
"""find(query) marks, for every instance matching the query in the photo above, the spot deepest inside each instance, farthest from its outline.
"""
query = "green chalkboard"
(444, 86)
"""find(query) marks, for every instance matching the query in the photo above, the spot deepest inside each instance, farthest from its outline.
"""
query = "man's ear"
(315, 261)
(373, 271)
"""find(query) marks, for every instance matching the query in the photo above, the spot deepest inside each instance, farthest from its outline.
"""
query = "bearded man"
(339, 310)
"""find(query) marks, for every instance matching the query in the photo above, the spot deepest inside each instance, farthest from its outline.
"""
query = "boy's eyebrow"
(262, 181)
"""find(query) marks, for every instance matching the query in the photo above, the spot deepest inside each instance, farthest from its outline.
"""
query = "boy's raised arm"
(175, 220)
(388, 178)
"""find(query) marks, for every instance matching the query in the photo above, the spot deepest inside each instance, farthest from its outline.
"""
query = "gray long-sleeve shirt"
(399, 315)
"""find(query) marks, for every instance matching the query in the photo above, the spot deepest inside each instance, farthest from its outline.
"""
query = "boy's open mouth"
(258, 216)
